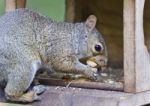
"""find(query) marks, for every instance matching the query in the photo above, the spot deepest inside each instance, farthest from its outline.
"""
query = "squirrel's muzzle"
(98, 61)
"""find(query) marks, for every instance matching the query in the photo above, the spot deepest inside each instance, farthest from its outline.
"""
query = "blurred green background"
(54, 9)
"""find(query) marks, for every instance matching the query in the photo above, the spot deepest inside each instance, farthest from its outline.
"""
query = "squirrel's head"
(96, 48)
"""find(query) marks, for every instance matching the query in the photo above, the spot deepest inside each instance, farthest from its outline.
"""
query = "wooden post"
(10, 5)
(136, 56)
(129, 45)
(21, 3)
(142, 55)
(70, 11)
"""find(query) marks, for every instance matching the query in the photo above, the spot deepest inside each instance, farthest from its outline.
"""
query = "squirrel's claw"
(39, 89)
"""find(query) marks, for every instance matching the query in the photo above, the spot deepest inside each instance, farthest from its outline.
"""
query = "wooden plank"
(10, 5)
(79, 97)
(138, 99)
(60, 96)
(129, 45)
(117, 86)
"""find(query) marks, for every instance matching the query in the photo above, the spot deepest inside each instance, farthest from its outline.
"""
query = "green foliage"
(51, 8)
(54, 9)
(2, 6)
(11, 104)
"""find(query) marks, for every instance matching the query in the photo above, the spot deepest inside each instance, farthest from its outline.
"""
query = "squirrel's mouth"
(98, 61)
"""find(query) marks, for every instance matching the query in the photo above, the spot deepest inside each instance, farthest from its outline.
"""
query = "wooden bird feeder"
(121, 24)
(124, 25)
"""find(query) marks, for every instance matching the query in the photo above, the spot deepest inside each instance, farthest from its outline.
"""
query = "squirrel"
(30, 41)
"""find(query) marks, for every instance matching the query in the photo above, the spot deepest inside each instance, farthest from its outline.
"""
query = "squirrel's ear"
(90, 23)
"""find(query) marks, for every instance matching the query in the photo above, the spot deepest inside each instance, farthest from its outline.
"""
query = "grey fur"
(30, 41)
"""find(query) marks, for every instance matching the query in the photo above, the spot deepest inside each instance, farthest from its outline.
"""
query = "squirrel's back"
(26, 27)
(21, 25)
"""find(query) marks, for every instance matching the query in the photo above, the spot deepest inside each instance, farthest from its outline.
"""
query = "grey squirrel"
(30, 41)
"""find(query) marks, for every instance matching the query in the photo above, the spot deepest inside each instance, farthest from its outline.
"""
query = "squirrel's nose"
(102, 62)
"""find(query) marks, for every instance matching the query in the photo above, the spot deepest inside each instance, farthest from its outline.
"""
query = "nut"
(91, 63)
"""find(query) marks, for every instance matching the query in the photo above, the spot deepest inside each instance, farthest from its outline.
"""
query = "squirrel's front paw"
(91, 73)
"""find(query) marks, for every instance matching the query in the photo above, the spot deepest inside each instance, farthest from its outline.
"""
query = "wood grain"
(60, 96)
(129, 46)
(136, 56)
(142, 55)
(117, 86)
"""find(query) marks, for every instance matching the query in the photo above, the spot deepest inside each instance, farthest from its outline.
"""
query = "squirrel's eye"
(98, 48)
